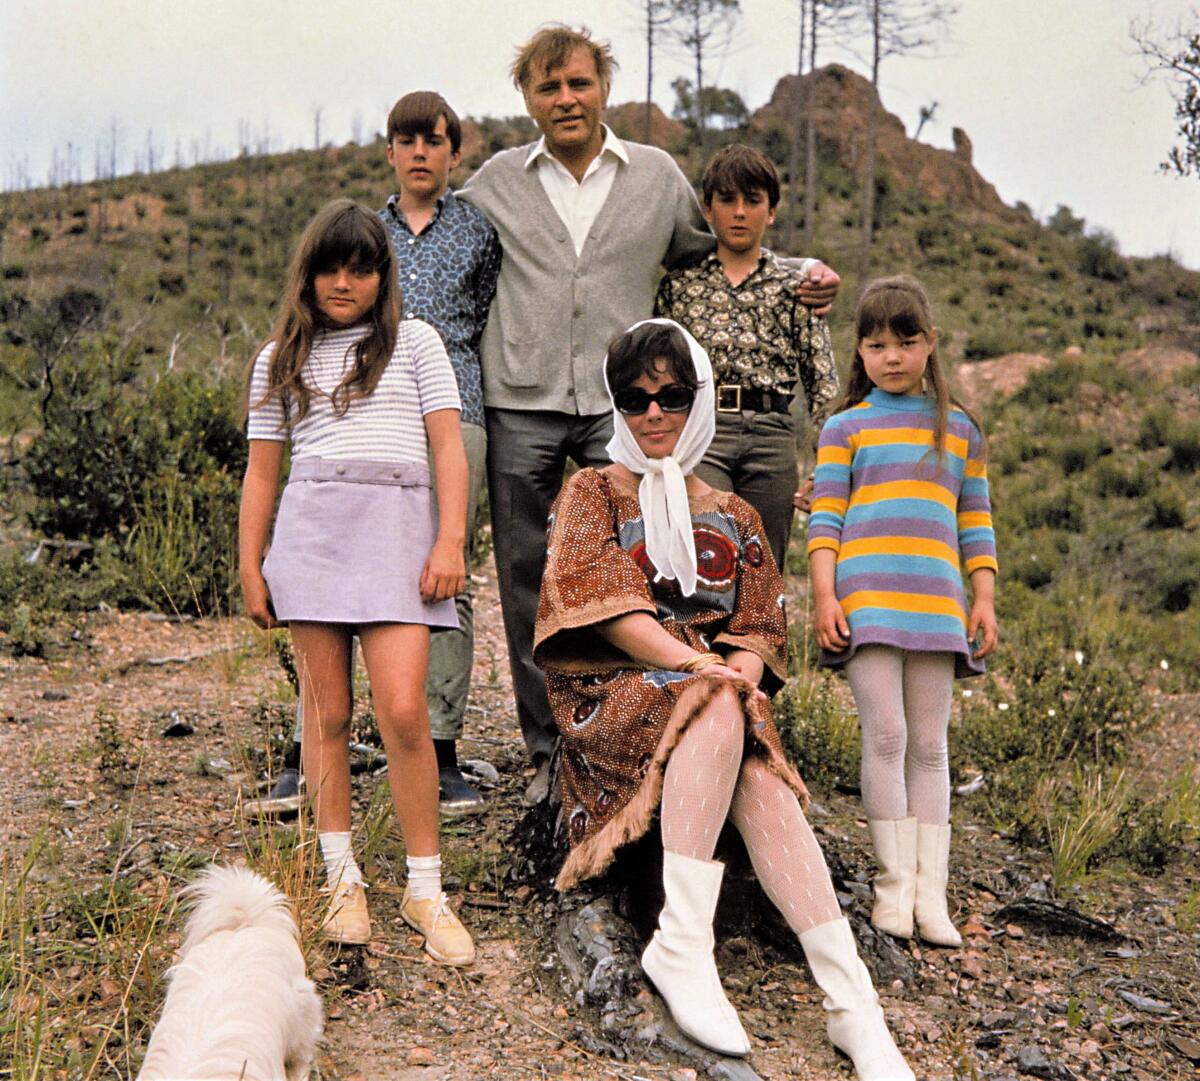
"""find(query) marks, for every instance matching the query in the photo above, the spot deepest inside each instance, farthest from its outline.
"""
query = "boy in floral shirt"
(740, 304)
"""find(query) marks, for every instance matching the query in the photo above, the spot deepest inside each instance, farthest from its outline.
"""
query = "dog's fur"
(239, 1005)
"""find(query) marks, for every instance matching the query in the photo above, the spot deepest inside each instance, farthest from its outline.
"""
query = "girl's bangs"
(350, 241)
(891, 310)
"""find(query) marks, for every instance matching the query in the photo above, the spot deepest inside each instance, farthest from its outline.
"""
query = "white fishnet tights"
(707, 781)
(903, 704)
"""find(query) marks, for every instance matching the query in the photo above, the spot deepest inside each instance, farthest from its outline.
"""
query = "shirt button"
(339, 470)
(412, 240)
(412, 277)
(396, 473)
(410, 315)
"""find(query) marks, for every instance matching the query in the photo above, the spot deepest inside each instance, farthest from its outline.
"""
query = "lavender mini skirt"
(350, 541)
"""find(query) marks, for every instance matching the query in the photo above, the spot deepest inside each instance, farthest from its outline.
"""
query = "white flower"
(967, 694)
(1163, 664)
(1002, 706)
(1052, 713)
(1079, 656)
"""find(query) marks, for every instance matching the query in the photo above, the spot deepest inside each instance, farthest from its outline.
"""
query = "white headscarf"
(670, 544)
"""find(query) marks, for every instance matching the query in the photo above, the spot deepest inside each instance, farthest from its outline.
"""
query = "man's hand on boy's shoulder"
(819, 288)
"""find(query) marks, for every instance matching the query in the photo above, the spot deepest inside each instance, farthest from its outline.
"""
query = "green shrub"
(1043, 706)
(181, 552)
(1078, 452)
(1183, 439)
(107, 437)
(821, 736)
(1099, 257)
(1117, 476)
(1168, 508)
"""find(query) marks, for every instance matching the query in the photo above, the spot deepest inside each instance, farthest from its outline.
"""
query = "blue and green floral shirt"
(447, 277)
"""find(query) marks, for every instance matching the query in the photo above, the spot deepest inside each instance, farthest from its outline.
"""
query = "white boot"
(895, 844)
(679, 958)
(855, 1023)
(933, 860)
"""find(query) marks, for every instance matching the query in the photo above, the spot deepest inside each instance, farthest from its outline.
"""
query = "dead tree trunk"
(601, 927)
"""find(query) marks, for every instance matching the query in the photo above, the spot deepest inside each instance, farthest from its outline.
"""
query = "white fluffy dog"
(239, 1004)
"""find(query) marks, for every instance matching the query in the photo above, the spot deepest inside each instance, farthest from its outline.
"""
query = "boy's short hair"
(417, 114)
(552, 46)
(740, 168)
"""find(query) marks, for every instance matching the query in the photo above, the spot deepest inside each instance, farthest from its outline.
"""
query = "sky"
(1051, 92)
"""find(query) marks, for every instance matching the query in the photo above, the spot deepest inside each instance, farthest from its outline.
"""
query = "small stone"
(1186, 1046)
(1089, 1049)
(1144, 1003)
(177, 727)
(420, 1056)
(973, 928)
(56, 694)
(1013, 931)
(1032, 1061)
(972, 965)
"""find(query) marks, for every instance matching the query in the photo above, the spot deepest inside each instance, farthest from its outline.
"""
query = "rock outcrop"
(844, 103)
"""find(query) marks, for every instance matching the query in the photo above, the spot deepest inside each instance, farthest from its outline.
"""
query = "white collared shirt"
(578, 202)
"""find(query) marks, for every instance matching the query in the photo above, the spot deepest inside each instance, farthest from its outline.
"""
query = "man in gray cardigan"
(586, 222)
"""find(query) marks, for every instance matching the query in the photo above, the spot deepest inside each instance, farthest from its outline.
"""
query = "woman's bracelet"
(700, 660)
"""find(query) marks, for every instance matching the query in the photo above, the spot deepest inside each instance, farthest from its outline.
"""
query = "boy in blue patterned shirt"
(740, 303)
(448, 259)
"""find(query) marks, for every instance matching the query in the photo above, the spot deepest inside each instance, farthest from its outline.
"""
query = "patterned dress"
(617, 718)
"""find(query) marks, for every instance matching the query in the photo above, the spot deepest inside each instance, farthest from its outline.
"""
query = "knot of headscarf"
(662, 493)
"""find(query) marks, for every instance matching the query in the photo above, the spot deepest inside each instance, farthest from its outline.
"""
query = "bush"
(1055, 707)
(1076, 453)
(1099, 257)
(1183, 439)
(106, 438)
(822, 738)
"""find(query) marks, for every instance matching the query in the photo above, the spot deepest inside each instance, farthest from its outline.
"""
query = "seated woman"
(661, 614)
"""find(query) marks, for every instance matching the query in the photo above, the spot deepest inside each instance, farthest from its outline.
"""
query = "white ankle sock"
(339, 859)
(424, 877)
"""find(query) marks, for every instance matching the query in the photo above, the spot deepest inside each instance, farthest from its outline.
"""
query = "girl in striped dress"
(358, 547)
(900, 510)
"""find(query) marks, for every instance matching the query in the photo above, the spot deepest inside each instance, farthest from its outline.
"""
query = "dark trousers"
(527, 452)
(754, 455)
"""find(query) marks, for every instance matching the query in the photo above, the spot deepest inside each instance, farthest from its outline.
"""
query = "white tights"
(707, 780)
(903, 703)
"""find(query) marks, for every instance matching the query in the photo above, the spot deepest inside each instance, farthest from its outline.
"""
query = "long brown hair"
(342, 233)
(899, 304)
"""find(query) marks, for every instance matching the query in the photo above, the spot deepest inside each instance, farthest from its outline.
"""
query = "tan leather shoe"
(446, 939)
(347, 921)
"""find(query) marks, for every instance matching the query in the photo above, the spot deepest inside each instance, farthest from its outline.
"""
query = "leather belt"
(733, 398)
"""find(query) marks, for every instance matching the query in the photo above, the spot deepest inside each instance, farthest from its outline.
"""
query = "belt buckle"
(729, 398)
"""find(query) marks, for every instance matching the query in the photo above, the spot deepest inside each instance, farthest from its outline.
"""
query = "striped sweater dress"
(905, 526)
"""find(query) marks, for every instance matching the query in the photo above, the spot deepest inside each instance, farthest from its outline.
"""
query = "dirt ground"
(1016, 1000)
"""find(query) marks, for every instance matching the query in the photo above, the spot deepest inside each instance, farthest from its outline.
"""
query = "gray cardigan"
(555, 313)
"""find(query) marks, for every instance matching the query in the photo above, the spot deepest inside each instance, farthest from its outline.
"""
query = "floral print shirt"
(757, 333)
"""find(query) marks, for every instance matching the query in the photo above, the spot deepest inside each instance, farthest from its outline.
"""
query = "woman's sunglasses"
(675, 398)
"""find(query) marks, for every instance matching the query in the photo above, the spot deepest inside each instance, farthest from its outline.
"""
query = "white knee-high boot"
(895, 844)
(679, 959)
(933, 869)
(855, 1020)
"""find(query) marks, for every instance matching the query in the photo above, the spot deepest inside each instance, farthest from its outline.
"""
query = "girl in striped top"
(358, 546)
(900, 509)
